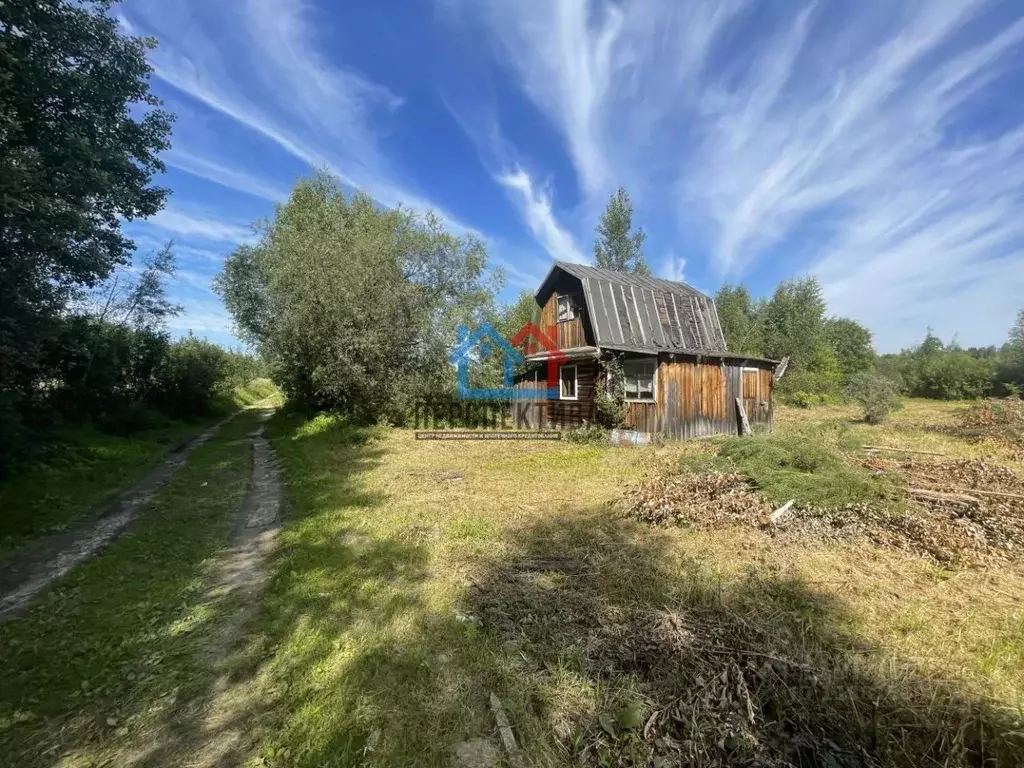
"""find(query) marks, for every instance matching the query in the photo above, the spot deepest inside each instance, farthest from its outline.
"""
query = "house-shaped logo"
(485, 341)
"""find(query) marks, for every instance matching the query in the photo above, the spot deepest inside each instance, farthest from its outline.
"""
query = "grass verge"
(85, 470)
(109, 651)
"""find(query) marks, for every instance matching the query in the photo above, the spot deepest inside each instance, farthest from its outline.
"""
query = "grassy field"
(85, 468)
(417, 578)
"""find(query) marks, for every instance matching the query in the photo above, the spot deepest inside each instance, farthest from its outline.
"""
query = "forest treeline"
(827, 352)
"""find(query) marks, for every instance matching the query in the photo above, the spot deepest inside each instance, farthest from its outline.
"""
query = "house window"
(639, 378)
(567, 382)
(567, 308)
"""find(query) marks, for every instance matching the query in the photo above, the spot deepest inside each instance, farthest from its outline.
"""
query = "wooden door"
(751, 394)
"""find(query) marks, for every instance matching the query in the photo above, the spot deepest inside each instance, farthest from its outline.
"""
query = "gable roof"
(635, 313)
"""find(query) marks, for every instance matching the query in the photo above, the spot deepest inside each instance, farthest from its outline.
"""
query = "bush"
(588, 434)
(876, 394)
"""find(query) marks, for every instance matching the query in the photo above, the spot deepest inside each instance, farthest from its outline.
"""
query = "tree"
(356, 307)
(739, 316)
(80, 134)
(514, 316)
(137, 299)
(616, 247)
(851, 343)
(1010, 363)
(793, 322)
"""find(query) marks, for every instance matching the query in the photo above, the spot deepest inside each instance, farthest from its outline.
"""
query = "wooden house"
(678, 378)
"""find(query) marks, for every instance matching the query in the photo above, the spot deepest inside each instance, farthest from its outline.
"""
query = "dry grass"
(417, 577)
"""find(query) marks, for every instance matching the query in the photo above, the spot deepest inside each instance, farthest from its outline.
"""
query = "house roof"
(635, 313)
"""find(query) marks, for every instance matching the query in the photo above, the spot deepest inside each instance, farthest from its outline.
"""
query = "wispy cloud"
(266, 71)
(178, 222)
(226, 176)
(672, 267)
(536, 207)
(846, 141)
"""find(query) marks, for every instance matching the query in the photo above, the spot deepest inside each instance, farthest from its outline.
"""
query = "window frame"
(654, 381)
(572, 304)
(747, 369)
(575, 382)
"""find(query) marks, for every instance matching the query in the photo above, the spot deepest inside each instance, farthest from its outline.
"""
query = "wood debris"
(957, 512)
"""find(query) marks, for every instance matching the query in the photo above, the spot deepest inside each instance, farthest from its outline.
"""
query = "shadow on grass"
(696, 670)
(606, 650)
(215, 720)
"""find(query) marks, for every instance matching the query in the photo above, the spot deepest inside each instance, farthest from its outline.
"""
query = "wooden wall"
(559, 414)
(695, 399)
(568, 334)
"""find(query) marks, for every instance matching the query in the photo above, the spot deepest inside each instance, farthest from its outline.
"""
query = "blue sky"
(876, 145)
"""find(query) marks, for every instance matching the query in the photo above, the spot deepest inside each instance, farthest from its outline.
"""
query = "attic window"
(639, 376)
(567, 306)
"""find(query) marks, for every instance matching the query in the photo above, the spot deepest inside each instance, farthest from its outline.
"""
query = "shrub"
(876, 394)
(589, 434)
(810, 387)
(190, 377)
(800, 399)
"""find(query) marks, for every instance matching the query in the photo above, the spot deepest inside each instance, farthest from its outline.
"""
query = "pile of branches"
(996, 419)
(956, 513)
(700, 501)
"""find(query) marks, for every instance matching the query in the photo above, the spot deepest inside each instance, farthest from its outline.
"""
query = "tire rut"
(46, 560)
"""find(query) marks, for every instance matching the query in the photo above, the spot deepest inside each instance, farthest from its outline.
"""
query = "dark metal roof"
(635, 313)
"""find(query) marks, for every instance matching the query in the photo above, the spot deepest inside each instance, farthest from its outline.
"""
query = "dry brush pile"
(964, 512)
(998, 420)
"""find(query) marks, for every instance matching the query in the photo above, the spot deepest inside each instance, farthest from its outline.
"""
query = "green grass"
(808, 468)
(415, 578)
(85, 469)
(258, 392)
(111, 649)
(401, 601)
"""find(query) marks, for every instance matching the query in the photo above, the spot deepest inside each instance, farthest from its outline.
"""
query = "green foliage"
(851, 343)
(1010, 365)
(804, 468)
(793, 322)
(190, 377)
(356, 307)
(617, 246)
(587, 434)
(739, 316)
(876, 394)
(823, 352)
(80, 137)
(609, 398)
(940, 371)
